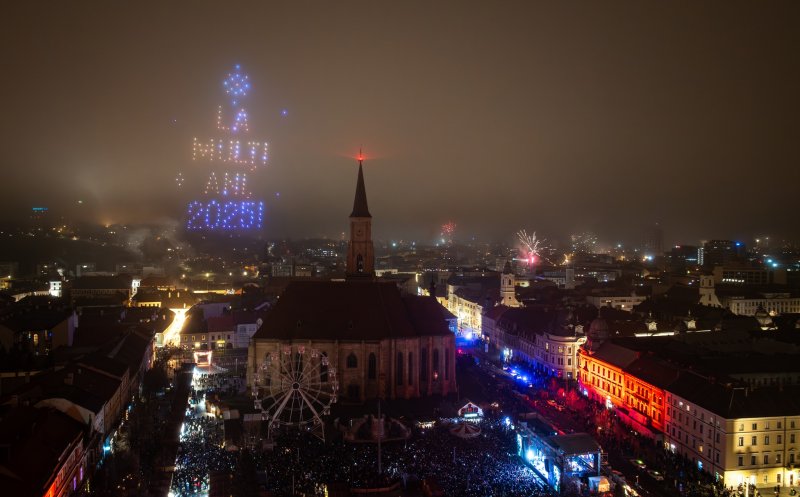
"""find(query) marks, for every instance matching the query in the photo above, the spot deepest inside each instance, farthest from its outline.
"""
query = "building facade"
(736, 434)
(733, 432)
(774, 304)
(538, 338)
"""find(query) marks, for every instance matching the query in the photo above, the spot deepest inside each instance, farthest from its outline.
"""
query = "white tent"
(470, 410)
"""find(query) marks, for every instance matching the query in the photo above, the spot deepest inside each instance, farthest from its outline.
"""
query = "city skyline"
(462, 248)
(496, 120)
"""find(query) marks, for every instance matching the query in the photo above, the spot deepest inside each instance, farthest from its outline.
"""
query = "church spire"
(360, 251)
(360, 208)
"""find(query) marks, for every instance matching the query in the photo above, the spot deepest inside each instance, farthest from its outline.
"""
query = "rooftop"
(365, 310)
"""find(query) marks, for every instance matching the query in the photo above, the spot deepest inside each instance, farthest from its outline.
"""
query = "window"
(352, 361)
(753, 440)
(423, 365)
(791, 438)
(410, 368)
(791, 457)
(202, 338)
(791, 424)
(780, 425)
(741, 427)
(766, 458)
(399, 369)
(752, 460)
(741, 461)
(372, 366)
(777, 458)
(435, 364)
(766, 440)
(755, 426)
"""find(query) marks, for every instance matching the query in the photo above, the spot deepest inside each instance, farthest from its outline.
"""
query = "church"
(382, 344)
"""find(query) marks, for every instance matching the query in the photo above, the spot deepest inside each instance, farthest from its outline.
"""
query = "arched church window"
(435, 364)
(410, 368)
(372, 366)
(352, 360)
(399, 368)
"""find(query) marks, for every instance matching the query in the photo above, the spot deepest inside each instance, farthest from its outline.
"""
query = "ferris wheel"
(298, 386)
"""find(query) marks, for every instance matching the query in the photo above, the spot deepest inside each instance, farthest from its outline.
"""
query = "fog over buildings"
(561, 118)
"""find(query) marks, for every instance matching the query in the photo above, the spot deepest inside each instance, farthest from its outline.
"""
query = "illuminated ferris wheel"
(298, 386)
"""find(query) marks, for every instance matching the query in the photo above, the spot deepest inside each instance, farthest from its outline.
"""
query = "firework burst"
(532, 245)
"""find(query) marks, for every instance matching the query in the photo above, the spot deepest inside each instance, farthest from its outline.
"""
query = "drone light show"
(230, 155)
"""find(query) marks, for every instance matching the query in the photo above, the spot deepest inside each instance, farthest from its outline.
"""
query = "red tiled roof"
(350, 310)
(220, 323)
(496, 312)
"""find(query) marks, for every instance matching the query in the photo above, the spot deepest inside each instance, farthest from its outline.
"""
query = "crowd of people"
(200, 451)
(301, 463)
(220, 382)
(486, 465)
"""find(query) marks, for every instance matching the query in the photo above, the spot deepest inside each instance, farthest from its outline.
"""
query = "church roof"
(351, 310)
(360, 208)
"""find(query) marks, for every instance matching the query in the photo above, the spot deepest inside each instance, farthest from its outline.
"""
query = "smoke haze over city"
(559, 118)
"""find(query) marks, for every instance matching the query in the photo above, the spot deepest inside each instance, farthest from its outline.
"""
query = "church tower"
(508, 292)
(360, 251)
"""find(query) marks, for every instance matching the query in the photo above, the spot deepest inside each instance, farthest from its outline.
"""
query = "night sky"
(562, 117)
